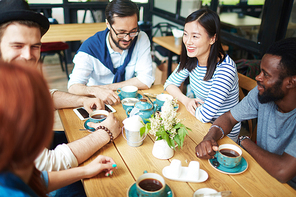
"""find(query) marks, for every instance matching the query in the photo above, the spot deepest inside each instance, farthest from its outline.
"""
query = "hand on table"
(108, 96)
(110, 122)
(100, 164)
(206, 149)
(192, 104)
(90, 104)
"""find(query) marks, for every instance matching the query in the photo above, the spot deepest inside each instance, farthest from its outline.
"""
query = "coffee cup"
(150, 185)
(97, 116)
(129, 103)
(128, 91)
(229, 155)
(161, 98)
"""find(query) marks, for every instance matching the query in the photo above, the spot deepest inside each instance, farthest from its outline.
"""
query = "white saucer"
(204, 191)
(203, 175)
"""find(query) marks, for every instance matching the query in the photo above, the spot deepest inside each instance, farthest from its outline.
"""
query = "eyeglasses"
(123, 35)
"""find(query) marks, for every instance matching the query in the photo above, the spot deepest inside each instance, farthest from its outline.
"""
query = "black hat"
(11, 10)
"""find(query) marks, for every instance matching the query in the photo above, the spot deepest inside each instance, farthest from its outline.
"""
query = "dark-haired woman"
(212, 74)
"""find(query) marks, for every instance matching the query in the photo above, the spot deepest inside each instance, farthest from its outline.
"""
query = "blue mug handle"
(128, 111)
(119, 89)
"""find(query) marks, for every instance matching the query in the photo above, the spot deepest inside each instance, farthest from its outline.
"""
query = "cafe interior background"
(246, 44)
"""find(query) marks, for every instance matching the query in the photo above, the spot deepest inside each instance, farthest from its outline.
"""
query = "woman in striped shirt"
(212, 74)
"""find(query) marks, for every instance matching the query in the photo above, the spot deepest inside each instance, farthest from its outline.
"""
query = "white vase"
(161, 150)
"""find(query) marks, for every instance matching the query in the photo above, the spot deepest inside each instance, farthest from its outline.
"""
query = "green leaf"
(178, 141)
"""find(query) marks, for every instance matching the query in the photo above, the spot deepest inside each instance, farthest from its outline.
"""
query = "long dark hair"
(209, 20)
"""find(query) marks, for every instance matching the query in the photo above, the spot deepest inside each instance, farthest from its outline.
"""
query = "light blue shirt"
(276, 131)
(90, 71)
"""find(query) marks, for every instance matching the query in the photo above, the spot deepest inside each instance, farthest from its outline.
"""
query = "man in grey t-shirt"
(273, 103)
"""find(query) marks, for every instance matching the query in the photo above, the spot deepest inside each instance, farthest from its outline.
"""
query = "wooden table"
(72, 32)
(132, 161)
(231, 19)
(168, 42)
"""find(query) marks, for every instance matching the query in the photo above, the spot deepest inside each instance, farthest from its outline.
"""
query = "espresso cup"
(161, 98)
(128, 91)
(229, 155)
(97, 116)
(150, 185)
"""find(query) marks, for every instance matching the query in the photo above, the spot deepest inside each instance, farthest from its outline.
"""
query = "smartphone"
(83, 114)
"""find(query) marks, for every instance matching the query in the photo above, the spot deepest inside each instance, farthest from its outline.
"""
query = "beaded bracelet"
(108, 131)
(218, 128)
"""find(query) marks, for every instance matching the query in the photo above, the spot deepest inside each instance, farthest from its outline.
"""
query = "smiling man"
(113, 58)
(273, 103)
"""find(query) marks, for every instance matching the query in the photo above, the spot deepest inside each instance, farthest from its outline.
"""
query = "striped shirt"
(219, 94)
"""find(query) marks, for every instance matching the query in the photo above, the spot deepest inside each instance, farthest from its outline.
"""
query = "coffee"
(150, 184)
(99, 116)
(229, 152)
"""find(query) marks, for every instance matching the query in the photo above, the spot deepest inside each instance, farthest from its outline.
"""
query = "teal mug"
(150, 185)
(161, 98)
(128, 104)
(98, 116)
(229, 155)
(128, 91)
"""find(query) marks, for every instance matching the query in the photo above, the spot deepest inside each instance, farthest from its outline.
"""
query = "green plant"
(165, 125)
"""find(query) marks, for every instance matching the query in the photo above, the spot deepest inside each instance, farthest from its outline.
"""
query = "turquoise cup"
(98, 116)
(229, 155)
(150, 185)
(161, 98)
(128, 104)
(128, 91)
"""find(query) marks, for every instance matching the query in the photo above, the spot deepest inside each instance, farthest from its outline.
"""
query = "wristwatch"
(241, 138)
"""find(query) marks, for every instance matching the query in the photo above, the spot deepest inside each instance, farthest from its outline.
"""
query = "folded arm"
(281, 167)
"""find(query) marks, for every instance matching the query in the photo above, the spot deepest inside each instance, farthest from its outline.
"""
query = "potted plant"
(168, 129)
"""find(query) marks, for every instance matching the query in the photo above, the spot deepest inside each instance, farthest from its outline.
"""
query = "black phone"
(83, 114)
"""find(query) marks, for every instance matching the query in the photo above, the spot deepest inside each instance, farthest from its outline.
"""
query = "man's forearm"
(81, 89)
(87, 146)
(67, 100)
(281, 167)
(133, 81)
(226, 122)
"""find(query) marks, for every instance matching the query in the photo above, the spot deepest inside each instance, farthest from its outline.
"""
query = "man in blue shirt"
(116, 57)
(273, 103)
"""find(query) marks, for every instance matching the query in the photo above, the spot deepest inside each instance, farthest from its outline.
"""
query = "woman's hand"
(192, 104)
(100, 164)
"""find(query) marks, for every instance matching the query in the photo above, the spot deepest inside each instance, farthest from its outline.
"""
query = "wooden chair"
(247, 84)
(51, 48)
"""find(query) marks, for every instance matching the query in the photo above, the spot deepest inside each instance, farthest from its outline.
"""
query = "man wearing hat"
(20, 40)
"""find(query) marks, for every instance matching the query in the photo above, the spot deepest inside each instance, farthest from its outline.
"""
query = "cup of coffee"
(229, 155)
(161, 98)
(97, 116)
(151, 185)
(128, 91)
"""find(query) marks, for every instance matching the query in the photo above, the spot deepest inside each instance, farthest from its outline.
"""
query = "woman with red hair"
(26, 119)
